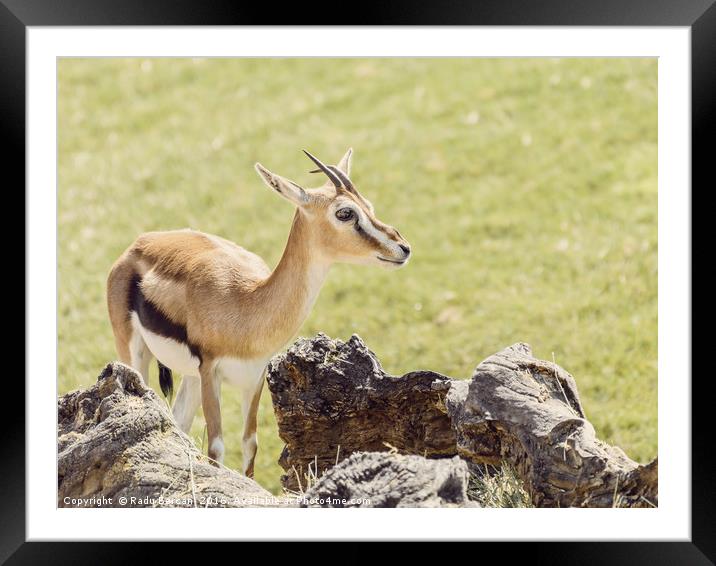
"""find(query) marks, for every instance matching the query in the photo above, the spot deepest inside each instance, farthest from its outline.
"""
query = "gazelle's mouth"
(396, 261)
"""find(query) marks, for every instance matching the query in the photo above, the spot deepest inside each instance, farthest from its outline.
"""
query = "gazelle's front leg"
(211, 404)
(250, 406)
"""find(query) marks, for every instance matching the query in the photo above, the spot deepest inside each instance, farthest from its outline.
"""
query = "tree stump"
(333, 398)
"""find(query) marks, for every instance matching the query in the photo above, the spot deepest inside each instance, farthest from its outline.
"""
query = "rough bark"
(527, 412)
(117, 439)
(332, 399)
(381, 479)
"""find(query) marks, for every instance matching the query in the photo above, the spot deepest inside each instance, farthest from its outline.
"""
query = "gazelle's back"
(187, 253)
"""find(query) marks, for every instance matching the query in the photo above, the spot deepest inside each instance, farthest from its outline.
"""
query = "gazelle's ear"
(345, 163)
(285, 187)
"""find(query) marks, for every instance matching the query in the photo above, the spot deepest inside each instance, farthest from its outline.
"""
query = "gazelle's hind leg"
(131, 348)
(250, 407)
(139, 355)
(187, 402)
(211, 404)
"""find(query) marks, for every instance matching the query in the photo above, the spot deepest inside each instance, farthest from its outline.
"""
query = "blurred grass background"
(526, 187)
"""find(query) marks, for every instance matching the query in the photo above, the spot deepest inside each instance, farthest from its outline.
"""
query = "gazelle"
(213, 311)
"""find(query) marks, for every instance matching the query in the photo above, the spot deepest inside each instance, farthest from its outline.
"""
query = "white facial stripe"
(367, 226)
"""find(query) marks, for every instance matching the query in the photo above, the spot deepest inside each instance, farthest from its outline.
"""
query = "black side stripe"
(155, 320)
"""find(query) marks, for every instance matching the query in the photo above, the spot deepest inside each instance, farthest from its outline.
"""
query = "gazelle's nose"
(406, 249)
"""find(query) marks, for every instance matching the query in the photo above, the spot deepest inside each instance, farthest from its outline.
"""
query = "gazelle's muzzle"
(397, 257)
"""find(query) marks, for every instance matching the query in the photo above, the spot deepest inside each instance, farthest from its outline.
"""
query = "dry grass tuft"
(497, 487)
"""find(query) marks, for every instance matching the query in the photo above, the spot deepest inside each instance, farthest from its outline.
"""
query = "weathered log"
(527, 412)
(332, 399)
(381, 479)
(118, 446)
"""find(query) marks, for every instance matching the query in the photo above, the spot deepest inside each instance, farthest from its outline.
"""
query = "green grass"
(526, 187)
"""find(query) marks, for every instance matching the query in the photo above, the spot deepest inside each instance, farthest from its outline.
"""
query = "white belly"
(244, 374)
(173, 354)
(241, 373)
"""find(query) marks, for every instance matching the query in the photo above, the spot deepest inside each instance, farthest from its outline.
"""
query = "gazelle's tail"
(166, 381)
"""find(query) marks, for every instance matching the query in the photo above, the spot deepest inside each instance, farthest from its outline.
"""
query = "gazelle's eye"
(344, 214)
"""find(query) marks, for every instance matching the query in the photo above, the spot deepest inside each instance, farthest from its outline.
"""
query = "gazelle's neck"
(289, 293)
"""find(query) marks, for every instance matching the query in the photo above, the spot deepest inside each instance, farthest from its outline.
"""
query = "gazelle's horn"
(330, 174)
(343, 177)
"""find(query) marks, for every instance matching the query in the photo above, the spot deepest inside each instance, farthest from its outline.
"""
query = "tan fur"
(231, 303)
(117, 294)
(211, 405)
(251, 425)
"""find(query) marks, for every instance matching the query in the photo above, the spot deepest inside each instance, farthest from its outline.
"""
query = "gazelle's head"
(341, 222)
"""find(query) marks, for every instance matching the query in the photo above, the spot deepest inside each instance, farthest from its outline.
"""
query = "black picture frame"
(699, 15)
